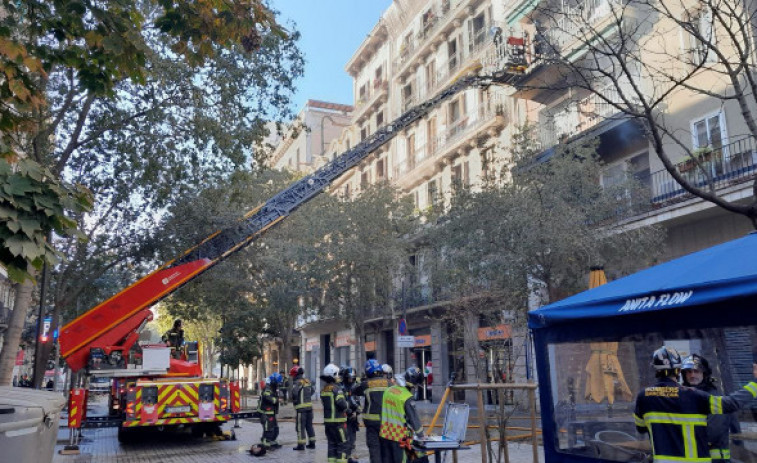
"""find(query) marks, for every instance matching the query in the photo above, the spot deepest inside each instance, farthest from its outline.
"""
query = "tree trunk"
(285, 356)
(15, 327)
(359, 345)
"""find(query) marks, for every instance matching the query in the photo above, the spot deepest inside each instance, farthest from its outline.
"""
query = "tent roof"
(726, 271)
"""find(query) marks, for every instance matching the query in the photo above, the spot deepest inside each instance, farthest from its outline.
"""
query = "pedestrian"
(675, 417)
(49, 385)
(334, 414)
(372, 388)
(15, 380)
(400, 422)
(302, 399)
(268, 407)
(698, 374)
(347, 373)
(25, 381)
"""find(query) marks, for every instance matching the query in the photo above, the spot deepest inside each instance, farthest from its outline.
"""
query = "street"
(101, 445)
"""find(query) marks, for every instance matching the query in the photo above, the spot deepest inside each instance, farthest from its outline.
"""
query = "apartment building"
(309, 134)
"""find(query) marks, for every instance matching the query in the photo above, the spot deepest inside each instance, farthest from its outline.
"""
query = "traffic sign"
(405, 341)
(402, 327)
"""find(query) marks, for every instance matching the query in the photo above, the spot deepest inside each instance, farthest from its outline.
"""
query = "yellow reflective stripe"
(672, 459)
(304, 405)
(720, 454)
(752, 388)
(716, 405)
(638, 421)
(689, 444)
(675, 418)
(371, 416)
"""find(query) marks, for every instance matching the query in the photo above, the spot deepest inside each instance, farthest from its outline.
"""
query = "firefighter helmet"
(387, 369)
(666, 358)
(276, 379)
(697, 362)
(331, 371)
(295, 371)
(372, 368)
(347, 373)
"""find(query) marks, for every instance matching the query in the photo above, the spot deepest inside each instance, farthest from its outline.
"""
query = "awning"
(724, 272)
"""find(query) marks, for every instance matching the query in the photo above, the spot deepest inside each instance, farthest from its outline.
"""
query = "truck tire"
(125, 435)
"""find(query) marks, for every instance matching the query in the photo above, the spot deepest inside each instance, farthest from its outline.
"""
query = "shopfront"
(497, 351)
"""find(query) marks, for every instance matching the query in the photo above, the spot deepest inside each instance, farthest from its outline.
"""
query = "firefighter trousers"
(337, 439)
(352, 428)
(372, 440)
(270, 430)
(391, 452)
(304, 426)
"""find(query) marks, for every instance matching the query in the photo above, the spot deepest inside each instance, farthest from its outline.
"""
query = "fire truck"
(169, 390)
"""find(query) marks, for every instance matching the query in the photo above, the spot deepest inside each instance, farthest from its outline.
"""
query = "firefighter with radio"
(372, 388)
(400, 421)
(675, 417)
(335, 408)
(302, 393)
(349, 378)
(268, 407)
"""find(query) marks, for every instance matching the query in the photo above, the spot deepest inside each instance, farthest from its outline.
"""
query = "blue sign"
(402, 327)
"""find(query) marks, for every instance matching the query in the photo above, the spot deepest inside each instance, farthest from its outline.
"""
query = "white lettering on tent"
(663, 300)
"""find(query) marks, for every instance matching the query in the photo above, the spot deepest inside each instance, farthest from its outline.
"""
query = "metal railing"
(728, 165)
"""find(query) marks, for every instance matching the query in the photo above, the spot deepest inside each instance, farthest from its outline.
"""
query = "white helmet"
(267, 381)
(332, 371)
(386, 368)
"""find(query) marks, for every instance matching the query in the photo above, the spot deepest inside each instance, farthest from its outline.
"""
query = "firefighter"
(268, 407)
(302, 398)
(348, 376)
(175, 338)
(400, 421)
(372, 388)
(697, 373)
(676, 416)
(334, 414)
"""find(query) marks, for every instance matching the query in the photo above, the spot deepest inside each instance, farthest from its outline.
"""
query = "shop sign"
(370, 346)
(310, 343)
(20, 357)
(423, 341)
(405, 341)
(344, 338)
(488, 333)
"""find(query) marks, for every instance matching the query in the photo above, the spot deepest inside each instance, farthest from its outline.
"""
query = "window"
(432, 136)
(430, 76)
(380, 169)
(709, 131)
(363, 133)
(346, 190)
(433, 193)
(452, 58)
(411, 150)
(363, 94)
(477, 32)
(297, 160)
(378, 77)
(364, 180)
(701, 37)
(407, 95)
(379, 119)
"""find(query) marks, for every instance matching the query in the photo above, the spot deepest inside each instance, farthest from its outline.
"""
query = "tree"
(530, 238)
(129, 99)
(649, 60)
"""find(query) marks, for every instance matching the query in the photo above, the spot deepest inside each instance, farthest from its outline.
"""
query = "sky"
(332, 30)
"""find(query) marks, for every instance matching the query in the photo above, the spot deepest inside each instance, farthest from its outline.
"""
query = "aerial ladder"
(100, 341)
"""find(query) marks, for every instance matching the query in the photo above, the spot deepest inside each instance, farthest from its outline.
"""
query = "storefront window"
(594, 384)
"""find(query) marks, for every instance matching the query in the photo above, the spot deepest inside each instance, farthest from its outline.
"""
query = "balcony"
(460, 135)
(443, 18)
(575, 117)
(376, 94)
(481, 47)
(732, 165)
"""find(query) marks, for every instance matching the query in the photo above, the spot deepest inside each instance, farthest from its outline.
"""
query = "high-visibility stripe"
(720, 454)
(689, 442)
(675, 418)
(716, 405)
(305, 405)
(638, 421)
(672, 459)
(752, 388)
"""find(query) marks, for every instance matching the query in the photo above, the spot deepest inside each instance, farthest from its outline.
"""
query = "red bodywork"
(111, 325)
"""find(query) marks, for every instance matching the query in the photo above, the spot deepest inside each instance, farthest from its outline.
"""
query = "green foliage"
(32, 205)
(539, 231)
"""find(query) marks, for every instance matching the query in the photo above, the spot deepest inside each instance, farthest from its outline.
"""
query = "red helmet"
(295, 370)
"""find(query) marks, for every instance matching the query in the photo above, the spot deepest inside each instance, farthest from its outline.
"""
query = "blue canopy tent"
(716, 287)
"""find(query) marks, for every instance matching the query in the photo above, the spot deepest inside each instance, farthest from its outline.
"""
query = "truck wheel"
(125, 435)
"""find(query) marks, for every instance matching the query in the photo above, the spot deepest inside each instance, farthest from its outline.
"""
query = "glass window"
(594, 384)
(709, 131)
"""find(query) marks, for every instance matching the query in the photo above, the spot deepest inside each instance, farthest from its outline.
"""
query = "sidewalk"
(101, 445)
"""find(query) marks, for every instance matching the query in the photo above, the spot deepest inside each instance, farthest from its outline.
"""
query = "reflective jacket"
(719, 427)
(334, 404)
(302, 394)
(676, 418)
(269, 402)
(398, 416)
(373, 390)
